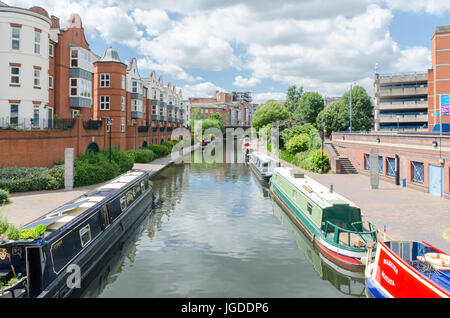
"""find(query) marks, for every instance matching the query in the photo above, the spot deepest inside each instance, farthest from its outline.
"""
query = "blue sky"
(260, 45)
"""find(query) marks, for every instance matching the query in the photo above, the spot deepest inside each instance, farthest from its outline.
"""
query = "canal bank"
(407, 214)
(28, 206)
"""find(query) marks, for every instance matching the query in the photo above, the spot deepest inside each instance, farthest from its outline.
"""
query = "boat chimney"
(296, 173)
(331, 188)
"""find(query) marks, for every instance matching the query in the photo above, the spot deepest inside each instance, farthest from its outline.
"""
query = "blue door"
(436, 180)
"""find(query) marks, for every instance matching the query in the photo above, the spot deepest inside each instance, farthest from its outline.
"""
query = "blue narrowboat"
(262, 165)
(77, 236)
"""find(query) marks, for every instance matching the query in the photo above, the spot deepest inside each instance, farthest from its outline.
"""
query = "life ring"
(438, 260)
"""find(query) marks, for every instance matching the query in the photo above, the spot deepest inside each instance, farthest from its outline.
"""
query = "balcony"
(156, 117)
(136, 115)
(158, 102)
(136, 96)
(80, 102)
(163, 118)
(402, 78)
(403, 118)
(402, 91)
(402, 104)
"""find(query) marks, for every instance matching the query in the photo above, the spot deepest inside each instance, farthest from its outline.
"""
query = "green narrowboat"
(328, 219)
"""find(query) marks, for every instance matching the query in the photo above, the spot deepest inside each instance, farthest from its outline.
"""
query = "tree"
(336, 118)
(362, 109)
(337, 114)
(268, 113)
(217, 117)
(196, 114)
(309, 106)
(293, 96)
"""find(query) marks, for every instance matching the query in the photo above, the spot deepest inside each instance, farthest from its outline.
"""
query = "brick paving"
(408, 214)
(27, 206)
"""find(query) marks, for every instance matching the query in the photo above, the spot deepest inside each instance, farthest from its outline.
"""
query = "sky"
(262, 46)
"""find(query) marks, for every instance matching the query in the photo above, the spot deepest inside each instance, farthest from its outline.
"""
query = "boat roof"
(70, 210)
(316, 191)
(263, 157)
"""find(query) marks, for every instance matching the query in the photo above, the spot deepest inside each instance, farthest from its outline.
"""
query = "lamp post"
(351, 106)
(109, 124)
(323, 138)
(398, 123)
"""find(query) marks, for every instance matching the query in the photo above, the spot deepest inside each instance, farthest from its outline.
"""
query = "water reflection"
(212, 233)
(347, 282)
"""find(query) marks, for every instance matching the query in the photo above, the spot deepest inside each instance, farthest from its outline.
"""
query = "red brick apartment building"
(411, 148)
(56, 93)
(235, 107)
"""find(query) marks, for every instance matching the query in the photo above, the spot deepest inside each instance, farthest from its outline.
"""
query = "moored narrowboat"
(262, 165)
(77, 235)
(408, 269)
(328, 219)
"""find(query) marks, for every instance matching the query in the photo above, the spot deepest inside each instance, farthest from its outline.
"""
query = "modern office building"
(401, 102)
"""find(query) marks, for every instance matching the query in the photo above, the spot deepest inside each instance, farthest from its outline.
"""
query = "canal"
(214, 231)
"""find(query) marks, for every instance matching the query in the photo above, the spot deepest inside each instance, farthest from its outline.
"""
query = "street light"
(351, 105)
(109, 125)
(398, 124)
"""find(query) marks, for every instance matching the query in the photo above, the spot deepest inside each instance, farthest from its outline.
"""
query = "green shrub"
(316, 160)
(308, 129)
(143, 155)
(94, 168)
(159, 150)
(123, 159)
(4, 196)
(298, 143)
(17, 179)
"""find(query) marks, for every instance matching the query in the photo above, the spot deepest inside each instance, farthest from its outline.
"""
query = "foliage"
(216, 116)
(4, 196)
(298, 143)
(269, 112)
(159, 150)
(196, 114)
(308, 129)
(309, 106)
(16, 179)
(10, 232)
(93, 168)
(316, 159)
(123, 159)
(336, 118)
(143, 155)
(293, 96)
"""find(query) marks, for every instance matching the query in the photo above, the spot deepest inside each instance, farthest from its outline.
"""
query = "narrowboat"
(328, 219)
(77, 235)
(408, 269)
(262, 165)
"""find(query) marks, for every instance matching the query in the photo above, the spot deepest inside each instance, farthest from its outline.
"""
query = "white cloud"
(261, 98)
(246, 82)
(436, 7)
(204, 89)
(156, 21)
(171, 69)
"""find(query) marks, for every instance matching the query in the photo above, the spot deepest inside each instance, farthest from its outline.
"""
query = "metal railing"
(8, 123)
(359, 233)
(92, 124)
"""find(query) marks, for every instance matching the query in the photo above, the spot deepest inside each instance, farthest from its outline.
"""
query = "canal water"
(214, 231)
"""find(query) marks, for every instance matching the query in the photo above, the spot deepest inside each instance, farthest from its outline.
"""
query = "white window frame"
(50, 49)
(105, 102)
(50, 82)
(122, 124)
(71, 86)
(123, 102)
(76, 113)
(10, 112)
(37, 42)
(85, 229)
(36, 108)
(37, 78)
(105, 80)
(15, 38)
(15, 75)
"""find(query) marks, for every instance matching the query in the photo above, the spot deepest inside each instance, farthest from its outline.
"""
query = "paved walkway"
(407, 213)
(27, 206)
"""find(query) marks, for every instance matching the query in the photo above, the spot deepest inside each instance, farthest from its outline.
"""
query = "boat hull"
(345, 259)
(391, 277)
(258, 174)
(92, 255)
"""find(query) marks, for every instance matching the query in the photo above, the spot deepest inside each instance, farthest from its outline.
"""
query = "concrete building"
(401, 102)
(24, 67)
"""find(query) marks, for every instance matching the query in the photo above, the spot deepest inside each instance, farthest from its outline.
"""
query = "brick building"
(55, 89)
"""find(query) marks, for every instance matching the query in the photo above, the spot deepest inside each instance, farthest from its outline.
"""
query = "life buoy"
(438, 260)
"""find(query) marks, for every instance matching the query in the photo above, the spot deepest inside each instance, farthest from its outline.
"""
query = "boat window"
(265, 164)
(130, 197)
(294, 195)
(143, 185)
(138, 191)
(104, 217)
(309, 208)
(85, 235)
(123, 203)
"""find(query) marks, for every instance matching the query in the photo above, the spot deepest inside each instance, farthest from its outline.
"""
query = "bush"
(308, 129)
(94, 168)
(4, 196)
(159, 150)
(298, 143)
(143, 155)
(123, 159)
(316, 160)
(17, 179)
